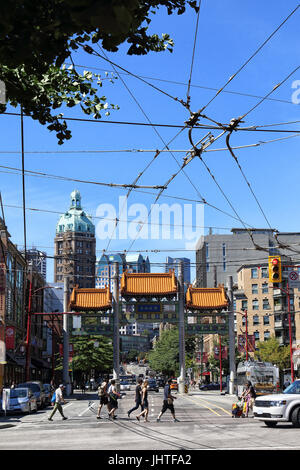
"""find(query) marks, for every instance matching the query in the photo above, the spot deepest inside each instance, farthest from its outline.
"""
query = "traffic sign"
(293, 278)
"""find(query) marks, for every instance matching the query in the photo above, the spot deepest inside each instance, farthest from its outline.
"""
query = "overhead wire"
(188, 97)
(251, 57)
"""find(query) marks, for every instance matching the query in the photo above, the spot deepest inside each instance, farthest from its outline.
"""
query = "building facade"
(37, 259)
(75, 246)
(266, 305)
(172, 263)
(221, 255)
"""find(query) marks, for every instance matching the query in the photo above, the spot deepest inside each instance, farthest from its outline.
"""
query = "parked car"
(174, 384)
(160, 381)
(22, 400)
(124, 385)
(38, 390)
(48, 393)
(212, 386)
(281, 407)
(152, 385)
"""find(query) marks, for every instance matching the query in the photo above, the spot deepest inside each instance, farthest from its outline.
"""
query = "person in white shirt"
(59, 401)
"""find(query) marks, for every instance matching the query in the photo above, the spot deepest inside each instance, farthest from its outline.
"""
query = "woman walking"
(145, 404)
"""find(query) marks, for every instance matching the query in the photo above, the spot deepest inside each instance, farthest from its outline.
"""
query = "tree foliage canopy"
(271, 351)
(164, 357)
(36, 38)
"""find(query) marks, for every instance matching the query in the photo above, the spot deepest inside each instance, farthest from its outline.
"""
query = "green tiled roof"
(75, 219)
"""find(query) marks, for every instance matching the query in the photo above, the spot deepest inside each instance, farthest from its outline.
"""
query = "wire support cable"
(251, 57)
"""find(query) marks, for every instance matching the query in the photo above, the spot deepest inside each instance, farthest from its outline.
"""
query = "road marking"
(88, 408)
(213, 411)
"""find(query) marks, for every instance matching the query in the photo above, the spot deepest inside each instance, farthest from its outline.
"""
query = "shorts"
(113, 403)
(103, 400)
(166, 406)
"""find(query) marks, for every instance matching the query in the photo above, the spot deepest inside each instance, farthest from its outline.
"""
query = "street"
(205, 423)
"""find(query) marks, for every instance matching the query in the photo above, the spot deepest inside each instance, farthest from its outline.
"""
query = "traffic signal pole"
(181, 386)
(290, 332)
(116, 334)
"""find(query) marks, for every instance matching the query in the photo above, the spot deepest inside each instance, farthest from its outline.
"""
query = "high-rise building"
(75, 246)
(37, 259)
(172, 263)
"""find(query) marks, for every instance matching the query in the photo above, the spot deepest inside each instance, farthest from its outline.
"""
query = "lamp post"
(28, 329)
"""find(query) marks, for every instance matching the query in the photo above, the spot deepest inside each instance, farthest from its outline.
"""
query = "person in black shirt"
(168, 402)
(138, 397)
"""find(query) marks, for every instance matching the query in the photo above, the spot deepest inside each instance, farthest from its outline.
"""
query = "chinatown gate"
(148, 298)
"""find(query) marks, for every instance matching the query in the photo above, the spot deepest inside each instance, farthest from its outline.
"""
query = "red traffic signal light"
(275, 269)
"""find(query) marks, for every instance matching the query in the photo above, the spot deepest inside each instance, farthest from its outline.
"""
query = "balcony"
(278, 324)
(278, 293)
(278, 308)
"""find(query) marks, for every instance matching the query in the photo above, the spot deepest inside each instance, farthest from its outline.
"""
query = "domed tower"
(75, 246)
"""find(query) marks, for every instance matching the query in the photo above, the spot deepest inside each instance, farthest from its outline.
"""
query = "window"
(254, 273)
(224, 250)
(207, 267)
(266, 335)
(265, 288)
(266, 320)
(254, 288)
(255, 320)
(244, 304)
(266, 305)
(256, 335)
(224, 266)
(255, 305)
(264, 272)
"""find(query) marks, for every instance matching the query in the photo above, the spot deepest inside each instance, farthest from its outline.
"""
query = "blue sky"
(229, 32)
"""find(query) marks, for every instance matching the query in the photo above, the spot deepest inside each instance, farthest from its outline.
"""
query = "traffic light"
(275, 269)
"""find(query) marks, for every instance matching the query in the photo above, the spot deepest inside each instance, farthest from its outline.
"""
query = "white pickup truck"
(282, 407)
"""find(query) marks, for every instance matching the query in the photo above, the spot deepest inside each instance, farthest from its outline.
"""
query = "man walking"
(59, 400)
(138, 397)
(103, 396)
(168, 402)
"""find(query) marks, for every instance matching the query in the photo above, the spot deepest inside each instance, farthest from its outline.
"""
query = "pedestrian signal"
(275, 269)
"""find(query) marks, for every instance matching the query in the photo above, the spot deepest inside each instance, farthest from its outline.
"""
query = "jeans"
(137, 404)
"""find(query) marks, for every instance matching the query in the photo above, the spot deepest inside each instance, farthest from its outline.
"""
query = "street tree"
(36, 38)
(164, 357)
(271, 351)
(91, 353)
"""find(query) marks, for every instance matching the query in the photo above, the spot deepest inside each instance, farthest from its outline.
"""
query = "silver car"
(23, 400)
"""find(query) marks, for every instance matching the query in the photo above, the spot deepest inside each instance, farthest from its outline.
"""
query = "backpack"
(53, 398)
(102, 390)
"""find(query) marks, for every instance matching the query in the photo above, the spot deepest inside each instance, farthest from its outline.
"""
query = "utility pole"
(66, 378)
(181, 387)
(116, 339)
(232, 365)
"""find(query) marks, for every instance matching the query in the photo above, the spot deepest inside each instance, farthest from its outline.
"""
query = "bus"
(264, 377)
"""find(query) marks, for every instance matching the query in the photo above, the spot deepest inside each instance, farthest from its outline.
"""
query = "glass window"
(266, 320)
(254, 288)
(255, 305)
(256, 335)
(256, 320)
(254, 273)
(264, 272)
(265, 288)
(244, 304)
(266, 335)
(266, 305)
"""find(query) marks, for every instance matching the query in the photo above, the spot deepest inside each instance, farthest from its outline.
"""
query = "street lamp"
(28, 332)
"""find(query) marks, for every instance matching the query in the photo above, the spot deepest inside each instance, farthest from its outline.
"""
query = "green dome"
(75, 219)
